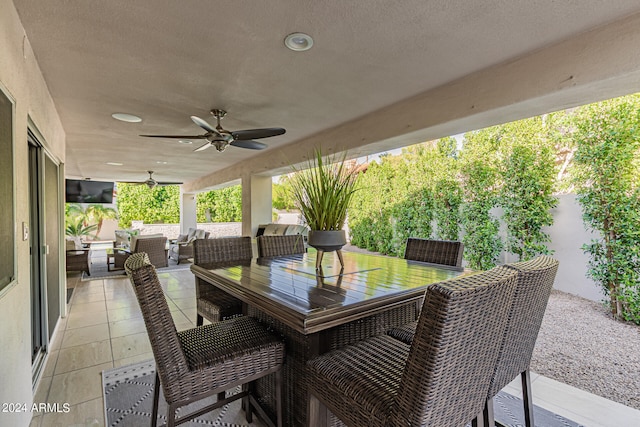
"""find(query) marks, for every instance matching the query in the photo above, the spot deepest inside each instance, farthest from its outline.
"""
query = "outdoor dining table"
(316, 312)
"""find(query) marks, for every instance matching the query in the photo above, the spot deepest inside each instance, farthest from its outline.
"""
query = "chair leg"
(478, 421)
(488, 418)
(222, 395)
(156, 397)
(527, 398)
(279, 398)
(316, 412)
(246, 402)
(171, 415)
(199, 320)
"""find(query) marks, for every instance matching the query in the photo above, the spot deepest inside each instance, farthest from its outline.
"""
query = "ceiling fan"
(221, 138)
(150, 182)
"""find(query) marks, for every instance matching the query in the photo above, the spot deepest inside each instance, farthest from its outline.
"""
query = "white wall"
(171, 231)
(567, 234)
(21, 78)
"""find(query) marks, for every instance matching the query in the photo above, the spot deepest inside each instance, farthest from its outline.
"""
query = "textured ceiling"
(167, 60)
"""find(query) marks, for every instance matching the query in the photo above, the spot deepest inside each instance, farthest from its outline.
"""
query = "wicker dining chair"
(274, 246)
(440, 380)
(535, 280)
(212, 303)
(197, 363)
(443, 252)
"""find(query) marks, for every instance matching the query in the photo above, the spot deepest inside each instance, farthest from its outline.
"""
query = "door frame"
(35, 138)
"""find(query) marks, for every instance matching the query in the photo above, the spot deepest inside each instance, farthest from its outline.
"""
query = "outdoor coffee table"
(116, 258)
(318, 314)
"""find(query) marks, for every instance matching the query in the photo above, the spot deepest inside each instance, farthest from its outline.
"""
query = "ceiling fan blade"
(257, 133)
(203, 147)
(177, 136)
(204, 125)
(131, 182)
(253, 145)
(169, 183)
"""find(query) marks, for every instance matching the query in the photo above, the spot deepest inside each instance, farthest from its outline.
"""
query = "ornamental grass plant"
(323, 190)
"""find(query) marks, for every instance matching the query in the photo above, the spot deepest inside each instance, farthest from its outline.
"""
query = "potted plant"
(322, 191)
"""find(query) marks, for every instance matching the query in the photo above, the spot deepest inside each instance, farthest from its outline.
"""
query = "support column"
(187, 211)
(256, 203)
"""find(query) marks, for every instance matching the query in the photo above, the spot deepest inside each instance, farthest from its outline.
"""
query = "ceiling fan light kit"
(221, 138)
(150, 182)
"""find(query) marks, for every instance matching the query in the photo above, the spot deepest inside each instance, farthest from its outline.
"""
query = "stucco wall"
(567, 237)
(21, 79)
(217, 229)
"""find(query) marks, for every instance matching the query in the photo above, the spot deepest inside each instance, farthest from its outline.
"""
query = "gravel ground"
(581, 345)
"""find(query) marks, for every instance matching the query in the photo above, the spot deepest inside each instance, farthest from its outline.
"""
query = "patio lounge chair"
(154, 245)
(182, 249)
(77, 257)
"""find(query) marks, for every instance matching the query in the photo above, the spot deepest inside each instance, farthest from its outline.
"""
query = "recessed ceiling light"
(161, 163)
(298, 42)
(114, 164)
(124, 117)
(185, 141)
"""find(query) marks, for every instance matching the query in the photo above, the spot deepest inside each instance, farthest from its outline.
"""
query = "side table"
(116, 258)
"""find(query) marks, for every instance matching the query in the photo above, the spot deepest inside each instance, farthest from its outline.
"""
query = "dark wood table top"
(289, 289)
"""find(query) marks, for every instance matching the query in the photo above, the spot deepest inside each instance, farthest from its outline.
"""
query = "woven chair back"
(222, 249)
(443, 252)
(273, 246)
(535, 280)
(155, 248)
(171, 362)
(455, 349)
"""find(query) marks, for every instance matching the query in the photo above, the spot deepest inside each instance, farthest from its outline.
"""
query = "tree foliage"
(370, 218)
(479, 166)
(528, 174)
(97, 213)
(223, 205)
(83, 221)
(282, 194)
(608, 159)
(413, 195)
(436, 166)
(433, 190)
(160, 204)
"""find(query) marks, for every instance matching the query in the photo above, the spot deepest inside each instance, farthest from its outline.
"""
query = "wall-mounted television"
(85, 191)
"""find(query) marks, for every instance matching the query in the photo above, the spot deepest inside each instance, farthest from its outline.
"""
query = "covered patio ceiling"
(380, 74)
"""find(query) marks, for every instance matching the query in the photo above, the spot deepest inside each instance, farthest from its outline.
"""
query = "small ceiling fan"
(221, 138)
(150, 182)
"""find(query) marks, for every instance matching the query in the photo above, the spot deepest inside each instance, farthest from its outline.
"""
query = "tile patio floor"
(104, 329)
